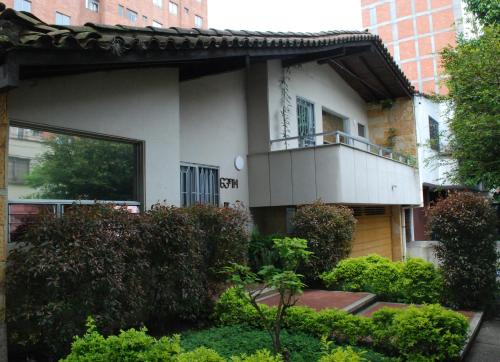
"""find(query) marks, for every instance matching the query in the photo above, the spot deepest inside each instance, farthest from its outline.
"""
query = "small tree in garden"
(464, 223)
(329, 230)
(285, 281)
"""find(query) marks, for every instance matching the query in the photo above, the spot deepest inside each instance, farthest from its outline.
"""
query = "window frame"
(434, 139)
(23, 5)
(158, 3)
(195, 195)
(62, 16)
(140, 146)
(92, 5)
(131, 15)
(197, 19)
(121, 10)
(363, 127)
(173, 8)
(156, 24)
(12, 171)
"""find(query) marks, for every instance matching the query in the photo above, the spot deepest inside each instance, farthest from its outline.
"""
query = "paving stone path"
(486, 347)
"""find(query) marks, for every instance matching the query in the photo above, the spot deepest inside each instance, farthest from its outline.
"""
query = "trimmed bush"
(71, 267)
(225, 236)
(176, 280)
(464, 224)
(413, 281)
(137, 346)
(429, 332)
(329, 230)
(424, 333)
(155, 268)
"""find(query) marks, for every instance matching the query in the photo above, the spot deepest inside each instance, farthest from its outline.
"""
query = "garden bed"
(318, 300)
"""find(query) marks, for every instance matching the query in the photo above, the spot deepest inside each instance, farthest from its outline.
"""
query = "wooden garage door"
(373, 232)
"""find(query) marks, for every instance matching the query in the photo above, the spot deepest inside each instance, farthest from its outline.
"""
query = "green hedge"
(429, 331)
(137, 346)
(412, 281)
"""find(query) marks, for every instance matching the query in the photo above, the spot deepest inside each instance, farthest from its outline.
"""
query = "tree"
(473, 82)
(292, 252)
(74, 168)
(487, 12)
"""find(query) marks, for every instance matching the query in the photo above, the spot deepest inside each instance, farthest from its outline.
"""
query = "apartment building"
(140, 13)
(415, 31)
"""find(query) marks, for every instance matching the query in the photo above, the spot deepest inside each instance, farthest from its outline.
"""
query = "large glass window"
(173, 8)
(56, 166)
(199, 184)
(51, 171)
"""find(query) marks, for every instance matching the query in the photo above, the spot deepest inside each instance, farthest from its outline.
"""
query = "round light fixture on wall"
(239, 163)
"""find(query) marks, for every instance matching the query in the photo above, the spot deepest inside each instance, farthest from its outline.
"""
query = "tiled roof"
(24, 31)
(34, 33)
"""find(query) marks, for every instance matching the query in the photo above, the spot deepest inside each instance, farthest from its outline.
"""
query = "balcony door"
(333, 123)
(306, 126)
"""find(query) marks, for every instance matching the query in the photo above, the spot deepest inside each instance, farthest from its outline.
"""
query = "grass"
(235, 340)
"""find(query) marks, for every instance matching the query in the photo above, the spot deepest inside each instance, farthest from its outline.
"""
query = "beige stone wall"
(401, 117)
(4, 132)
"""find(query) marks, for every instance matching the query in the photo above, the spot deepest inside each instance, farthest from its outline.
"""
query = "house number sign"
(228, 183)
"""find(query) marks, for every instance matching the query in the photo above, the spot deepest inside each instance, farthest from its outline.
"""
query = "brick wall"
(108, 12)
(415, 32)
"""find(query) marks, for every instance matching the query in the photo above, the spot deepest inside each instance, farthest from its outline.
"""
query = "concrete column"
(4, 140)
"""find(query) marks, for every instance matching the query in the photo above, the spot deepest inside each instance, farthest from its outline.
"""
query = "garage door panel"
(373, 236)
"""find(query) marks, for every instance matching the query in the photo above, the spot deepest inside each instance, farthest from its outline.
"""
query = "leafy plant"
(285, 281)
(225, 237)
(238, 339)
(156, 268)
(412, 281)
(472, 80)
(430, 332)
(69, 268)
(465, 226)
(261, 251)
(329, 230)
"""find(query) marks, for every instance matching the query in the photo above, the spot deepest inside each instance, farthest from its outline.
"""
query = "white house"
(267, 120)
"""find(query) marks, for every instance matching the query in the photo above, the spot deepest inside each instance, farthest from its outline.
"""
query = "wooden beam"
(351, 78)
(375, 75)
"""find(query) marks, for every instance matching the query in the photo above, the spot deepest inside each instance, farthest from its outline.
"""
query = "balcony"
(335, 167)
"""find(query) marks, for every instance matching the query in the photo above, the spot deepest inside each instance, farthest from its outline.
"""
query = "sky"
(285, 15)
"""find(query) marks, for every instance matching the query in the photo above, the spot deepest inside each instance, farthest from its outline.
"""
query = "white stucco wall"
(214, 128)
(431, 170)
(320, 85)
(136, 104)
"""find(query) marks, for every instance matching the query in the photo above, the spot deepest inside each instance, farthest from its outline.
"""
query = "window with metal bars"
(305, 118)
(199, 184)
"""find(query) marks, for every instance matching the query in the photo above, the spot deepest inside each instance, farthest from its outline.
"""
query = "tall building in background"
(159, 13)
(415, 31)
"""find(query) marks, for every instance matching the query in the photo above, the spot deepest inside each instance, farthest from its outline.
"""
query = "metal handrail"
(349, 140)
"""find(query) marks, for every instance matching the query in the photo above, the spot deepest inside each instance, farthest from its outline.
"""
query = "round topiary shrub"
(464, 224)
(329, 230)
